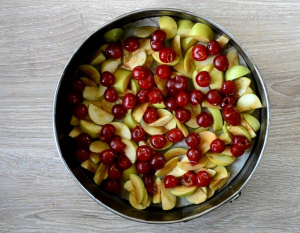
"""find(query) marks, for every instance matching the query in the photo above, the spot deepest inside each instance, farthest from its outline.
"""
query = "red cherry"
(107, 79)
(144, 153)
(157, 161)
(158, 141)
(110, 94)
(181, 83)
(170, 181)
(112, 186)
(203, 179)
(213, 47)
(118, 111)
(107, 133)
(217, 146)
(167, 55)
(84, 140)
(232, 116)
(159, 36)
(138, 134)
(228, 102)
(241, 141)
(156, 96)
(182, 99)
(163, 71)
(189, 179)
(203, 79)
(199, 52)
(131, 44)
(116, 144)
(194, 155)
(123, 162)
(171, 104)
(129, 101)
(196, 97)
(193, 139)
(183, 115)
(147, 83)
(228, 88)
(142, 167)
(175, 135)
(214, 97)
(114, 172)
(80, 111)
(150, 115)
(77, 86)
(142, 96)
(157, 46)
(107, 157)
(82, 154)
(221, 62)
(237, 150)
(204, 119)
(149, 184)
(140, 73)
(73, 99)
(114, 50)
(170, 86)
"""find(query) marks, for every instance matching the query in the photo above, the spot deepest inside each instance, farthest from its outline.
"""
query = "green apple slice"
(157, 196)
(202, 33)
(206, 137)
(168, 25)
(134, 86)
(183, 191)
(144, 31)
(170, 164)
(184, 27)
(97, 58)
(98, 146)
(162, 121)
(122, 130)
(122, 80)
(220, 159)
(90, 93)
(113, 35)
(241, 85)
(159, 105)
(221, 173)
(126, 173)
(88, 82)
(99, 116)
(100, 173)
(139, 110)
(109, 65)
(130, 149)
(236, 72)
(218, 119)
(174, 152)
(89, 165)
(138, 187)
(218, 184)
(138, 59)
(155, 55)
(175, 45)
(223, 40)
(179, 67)
(91, 128)
(91, 72)
(153, 130)
(103, 47)
(252, 121)
(130, 121)
(233, 58)
(245, 124)
(188, 42)
(75, 132)
(197, 197)
(217, 79)
(248, 102)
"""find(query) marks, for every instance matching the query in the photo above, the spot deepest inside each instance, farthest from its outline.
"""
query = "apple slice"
(134, 203)
(177, 172)
(181, 126)
(210, 192)
(187, 166)
(183, 191)
(226, 138)
(201, 129)
(138, 187)
(122, 80)
(211, 172)
(217, 79)
(168, 145)
(100, 92)
(188, 42)
(192, 123)
(91, 128)
(128, 186)
(144, 46)
(130, 149)
(233, 58)
(99, 116)
(88, 82)
(174, 152)
(100, 173)
(109, 65)
(218, 119)
(159, 105)
(197, 197)
(130, 121)
(168, 200)
(127, 172)
(122, 130)
(97, 58)
(75, 132)
(205, 104)
(252, 121)
(98, 146)
(90, 93)
(248, 102)
(218, 184)
(139, 110)
(161, 84)
(197, 87)
(239, 130)
(241, 85)
(170, 164)
(97, 103)
(202, 33)
(223, 40)
(107, 106)
(95, 157)
(245, 124)
(161, 121)
(155, 55)
(153, 130)
(103, 47)
(138, 59)
(134, 86)
(206, 137)
(236, 72)
(220, 159)
(168, 25)
(188, 61)
(249, 91)
(92, 72)
(113, 35)
(157, 196)
(193, 109)
(179, 67)
(89, 165)
(221, 173)
(184, 27)
(144, 31)
(208, 164)
(175, 44)
(149, 61)
(74, 121)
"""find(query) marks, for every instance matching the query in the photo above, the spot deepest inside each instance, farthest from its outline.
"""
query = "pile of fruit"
(160, 114)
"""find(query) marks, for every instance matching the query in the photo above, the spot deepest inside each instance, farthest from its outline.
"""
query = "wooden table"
(37, 194)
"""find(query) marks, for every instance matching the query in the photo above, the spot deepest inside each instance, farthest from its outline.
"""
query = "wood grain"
(36, 192)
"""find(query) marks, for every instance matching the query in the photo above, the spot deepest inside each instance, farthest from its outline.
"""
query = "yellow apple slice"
(197, 197)
(175, 44)
(107, 106)
(218, 119)
(210, 192)
(97, 103)
(223, 40)
(149, 61)
(208, 163)
(184, 27)
(159, 105)
(205, 104)
(226, 138)
(239, 130)
(252, 121)
(174, 152)
(92, 72)
(233, 58)
(99, 116)
(188, 42)
(153, 130)
(75, 132)
(179, 67)
(100, 92)
(103, 47)
(220, 159)
(168, 25)
(95, 157)
(91, 128)
(130, 149)
(248, 102)
(137, 59)
(88, 82)
(236, 72)
(97, 58)
(90, 93)
(167, 168)
(188, 61)
(183, 191)
(155, 55)
(206, 137)
(144, 31)
(221, 173)
(89, 165)
(122, 130)
(128, 186)
(187, 166)
(168, 200)
(249, 91)
(134, 86)
(157, 196)
(192, 123)
(138, 111)
(217, 79)
(162, 121)
(171, 124)
(98, 146)
(201, 129)
(218, 184)
(161, 84)
(241, 85)
(202, 33)
(134, 203)
(100, 173)
(138, 187)
(227, 151)
(177, 172)
(74, 121)
(109, 65)
(211, 172)
(122, 80)
(245, 124)
(181, 126)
